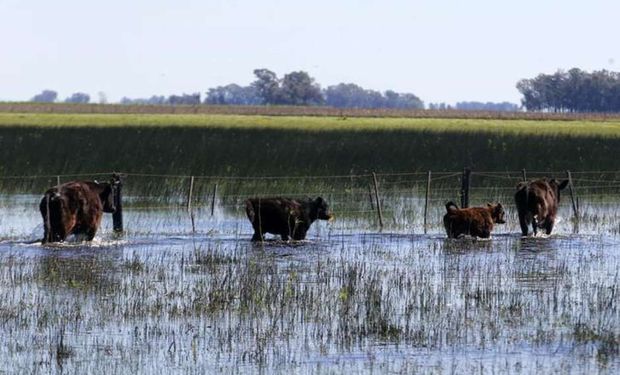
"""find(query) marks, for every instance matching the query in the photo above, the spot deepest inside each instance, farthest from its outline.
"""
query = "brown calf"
(474, 221)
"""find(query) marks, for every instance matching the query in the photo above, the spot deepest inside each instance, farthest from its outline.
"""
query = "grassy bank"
(582, 128)
(260, 145)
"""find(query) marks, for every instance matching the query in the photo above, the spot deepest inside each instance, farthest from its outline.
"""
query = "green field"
(577, 128)
(243, 145)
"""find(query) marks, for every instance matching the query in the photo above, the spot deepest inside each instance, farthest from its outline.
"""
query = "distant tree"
(78, 97)
(575, 90)
(350, 95)
(345, 95)
(233, 94)
(402, 101)
(46, 96)
(298, 88)
(186, 99)
(488, 106)
(267, 86)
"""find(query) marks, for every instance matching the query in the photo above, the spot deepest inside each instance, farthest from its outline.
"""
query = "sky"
(440, 50)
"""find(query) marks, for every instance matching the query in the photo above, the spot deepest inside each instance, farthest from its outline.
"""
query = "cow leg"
(524, 223)
(548, 226)
(257, 236)
(90, 234)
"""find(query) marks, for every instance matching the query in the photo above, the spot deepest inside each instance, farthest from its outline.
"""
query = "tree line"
(572, 91)
(299, 88)
(294, 88)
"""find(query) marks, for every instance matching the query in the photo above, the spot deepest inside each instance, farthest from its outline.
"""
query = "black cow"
(285, 216)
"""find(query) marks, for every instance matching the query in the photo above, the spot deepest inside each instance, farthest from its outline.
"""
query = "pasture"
(183, 290)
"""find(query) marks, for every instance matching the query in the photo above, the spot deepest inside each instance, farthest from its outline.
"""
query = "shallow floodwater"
(161, 299)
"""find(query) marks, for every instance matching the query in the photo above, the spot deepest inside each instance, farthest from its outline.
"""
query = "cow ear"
(563, 185)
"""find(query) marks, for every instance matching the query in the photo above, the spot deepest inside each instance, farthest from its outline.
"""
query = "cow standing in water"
(537, 204)
(290, 218)
(474, 221)
(75, 208)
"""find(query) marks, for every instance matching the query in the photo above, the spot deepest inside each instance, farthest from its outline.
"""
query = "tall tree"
(267, 86)
(298, 88)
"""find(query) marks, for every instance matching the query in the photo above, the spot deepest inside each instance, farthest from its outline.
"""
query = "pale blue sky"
(440, 50)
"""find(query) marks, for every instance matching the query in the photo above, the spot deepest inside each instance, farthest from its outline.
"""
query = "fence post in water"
(572, 195)
(189, 202)
(213, 199)
(117, 216)
(523, 175)
(465, 185)
(374, 180)
(427, 197)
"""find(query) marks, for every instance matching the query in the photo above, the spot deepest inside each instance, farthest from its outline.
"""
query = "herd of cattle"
(76, 208)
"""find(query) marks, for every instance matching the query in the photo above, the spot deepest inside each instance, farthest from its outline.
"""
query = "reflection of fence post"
(213, 199)
(428, 194)
(572, 195)
(374, 180)
(189, 202)
(117, 216)
(465, 185)
(523, 175)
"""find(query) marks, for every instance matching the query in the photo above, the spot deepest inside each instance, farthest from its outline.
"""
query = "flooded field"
(164, 299)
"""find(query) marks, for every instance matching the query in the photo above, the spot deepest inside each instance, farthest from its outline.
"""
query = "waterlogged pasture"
(352, 298)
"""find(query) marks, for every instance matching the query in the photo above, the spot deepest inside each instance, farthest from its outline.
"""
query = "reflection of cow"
(537, 203)
(75, 208)
(474, 221)
(284, 216)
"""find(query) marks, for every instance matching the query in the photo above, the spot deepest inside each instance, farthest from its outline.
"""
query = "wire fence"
(390, 199)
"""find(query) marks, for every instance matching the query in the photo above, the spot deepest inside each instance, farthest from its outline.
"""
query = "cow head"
(107, 196)
(321, 208)
(497, 213)
(557, 187)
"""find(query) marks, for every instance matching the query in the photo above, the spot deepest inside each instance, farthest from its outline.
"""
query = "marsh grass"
(216, 145)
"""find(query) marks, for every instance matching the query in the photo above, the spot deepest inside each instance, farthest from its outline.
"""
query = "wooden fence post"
(427, 197)
(57, 180)
(523, 175)
(117, 216)
(374, 180)
(465, 185)
(372, 204)
(213, 199)
(189, 203)
(573, 195)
